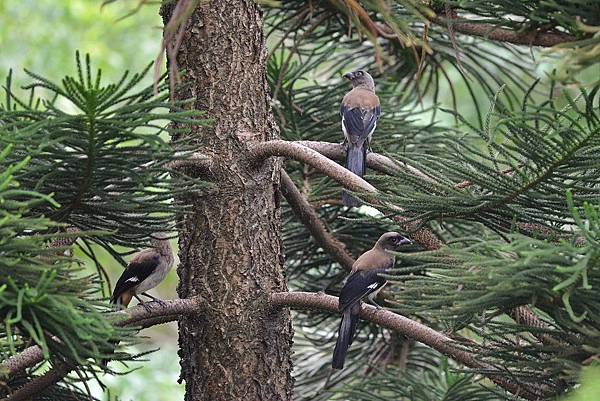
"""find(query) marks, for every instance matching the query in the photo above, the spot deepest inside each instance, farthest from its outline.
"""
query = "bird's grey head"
(391, 241)
(361, 79)
(160, 240)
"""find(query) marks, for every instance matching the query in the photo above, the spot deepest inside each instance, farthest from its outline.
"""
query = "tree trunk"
(230, 245)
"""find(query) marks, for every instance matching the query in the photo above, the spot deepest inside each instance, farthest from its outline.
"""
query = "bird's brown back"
(361, 98)
(373, 259)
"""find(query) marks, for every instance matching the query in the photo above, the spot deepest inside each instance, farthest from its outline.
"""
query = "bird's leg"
(157, 300)
(145, 305)
(375, 304)
(374, 294)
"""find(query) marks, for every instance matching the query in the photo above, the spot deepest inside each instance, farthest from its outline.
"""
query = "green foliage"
(40, 288)
(90, 156)
(520, 157)
(419, 380)
(98, 148)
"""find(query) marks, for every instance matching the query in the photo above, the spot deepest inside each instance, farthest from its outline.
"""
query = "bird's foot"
(146, 306)
(154, 299)
(376, 305)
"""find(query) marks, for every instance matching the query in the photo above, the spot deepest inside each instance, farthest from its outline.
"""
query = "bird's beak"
(404, 241)
(349, 76)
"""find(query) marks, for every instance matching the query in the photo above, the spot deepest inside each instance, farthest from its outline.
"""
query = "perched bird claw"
(146, 306)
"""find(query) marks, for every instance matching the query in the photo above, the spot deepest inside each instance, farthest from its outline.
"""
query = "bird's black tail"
(356, 161)
(118, 302)
(345, 336)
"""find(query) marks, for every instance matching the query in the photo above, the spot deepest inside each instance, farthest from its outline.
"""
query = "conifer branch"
(416, 331)
(492, 32)
(39, 384)
(306, 151)
(151, 314)
(307, 215)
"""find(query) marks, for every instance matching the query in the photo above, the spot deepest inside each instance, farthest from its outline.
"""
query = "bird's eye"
(394, 240)
(359, 73)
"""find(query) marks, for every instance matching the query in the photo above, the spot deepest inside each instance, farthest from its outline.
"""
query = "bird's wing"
(359, 285)
(140, 267)
(359, 111)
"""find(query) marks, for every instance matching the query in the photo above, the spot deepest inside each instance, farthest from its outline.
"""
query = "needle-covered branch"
(140, 316)
(414, 330)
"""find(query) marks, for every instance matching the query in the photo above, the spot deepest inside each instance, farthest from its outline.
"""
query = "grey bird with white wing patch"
(145, 271)
(360, 111)
(364, 281)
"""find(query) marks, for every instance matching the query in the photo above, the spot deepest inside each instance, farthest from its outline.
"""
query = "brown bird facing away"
(359, 111)
(146, 270)
(364, 281)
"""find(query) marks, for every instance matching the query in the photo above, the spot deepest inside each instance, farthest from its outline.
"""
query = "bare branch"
(375, 161)
(198, 165)
(492, 32)
(307, 215)
(414, 330)
(296, 151)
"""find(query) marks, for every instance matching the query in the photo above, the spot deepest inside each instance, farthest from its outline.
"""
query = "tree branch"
(375, 161)
(492, 32)
(296, 151)
(415, 330)
(151, 314)
(307, 215)
(198, 165)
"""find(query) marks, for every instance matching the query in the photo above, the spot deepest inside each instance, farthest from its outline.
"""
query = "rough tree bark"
(230, 244)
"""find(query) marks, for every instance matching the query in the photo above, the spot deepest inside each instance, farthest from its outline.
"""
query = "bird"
(145, 271)
(360, 111)
(364, 281)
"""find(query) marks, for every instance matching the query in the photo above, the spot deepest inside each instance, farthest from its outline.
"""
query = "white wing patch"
(132, 279)
(373, 286)
(344, 127)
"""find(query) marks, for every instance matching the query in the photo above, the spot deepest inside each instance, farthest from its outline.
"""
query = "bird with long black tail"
(365, 280)
(360, 111)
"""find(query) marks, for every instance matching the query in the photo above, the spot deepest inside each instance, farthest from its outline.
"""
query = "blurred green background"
(42, 36)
